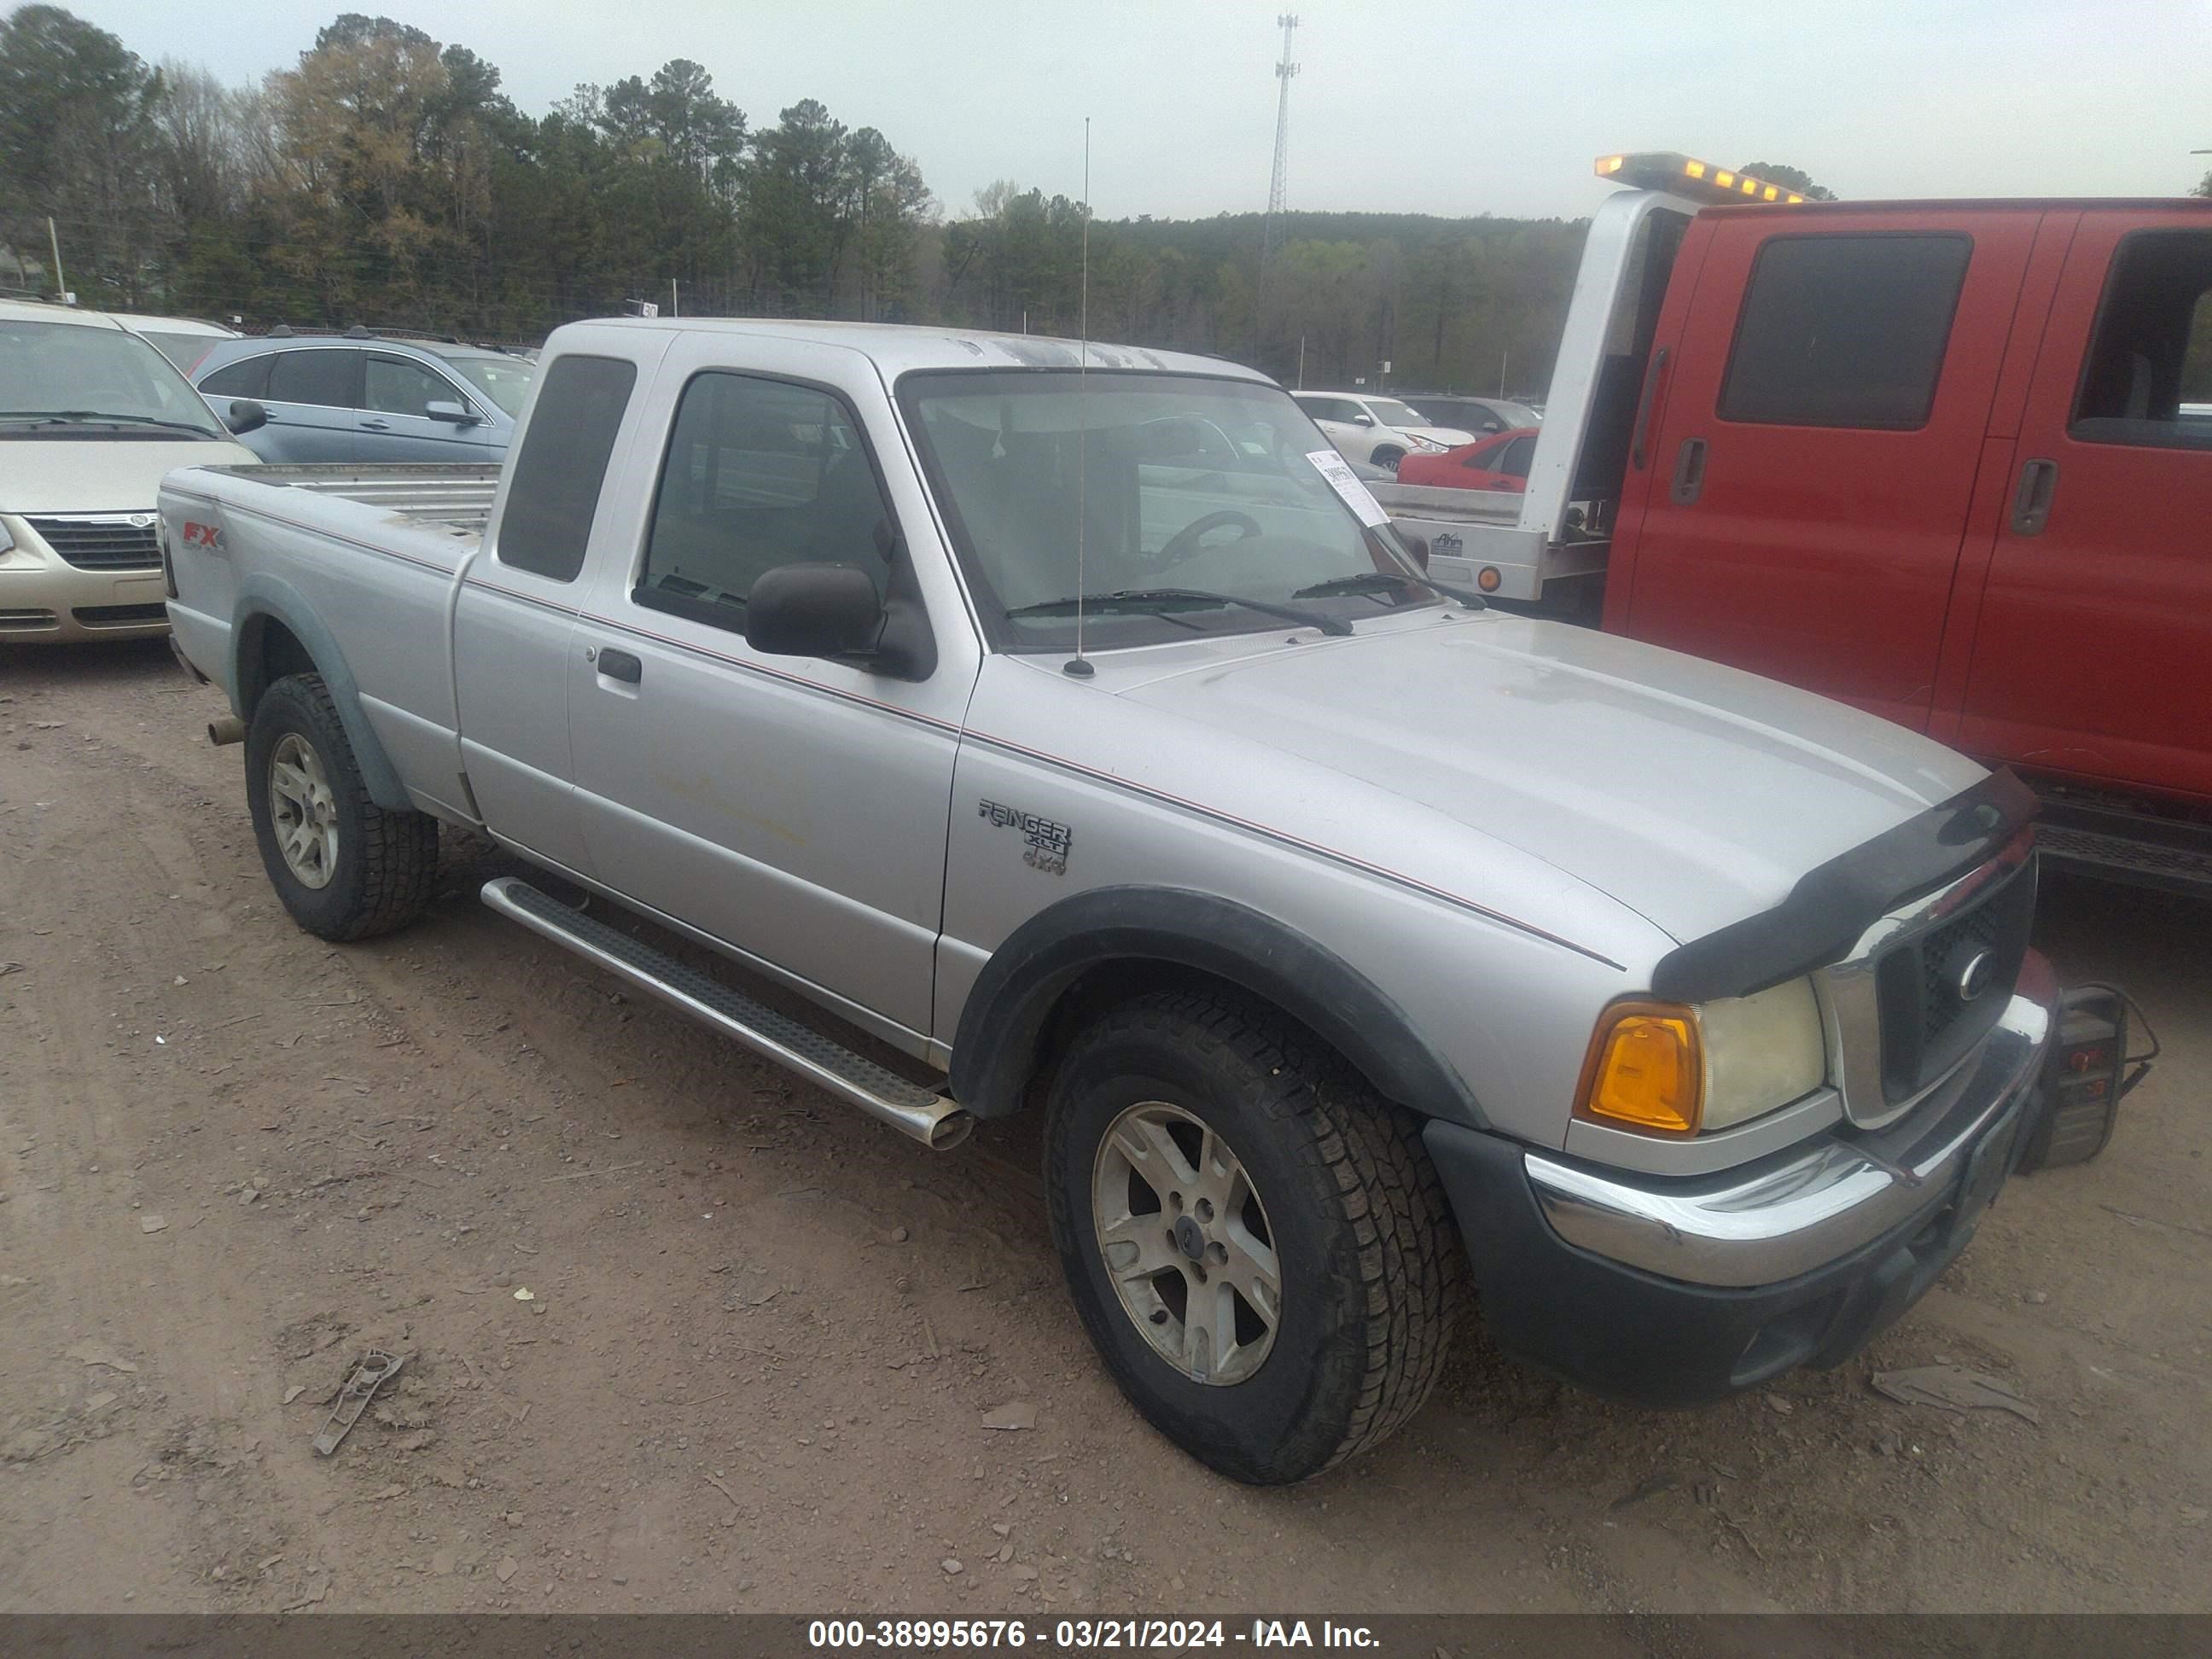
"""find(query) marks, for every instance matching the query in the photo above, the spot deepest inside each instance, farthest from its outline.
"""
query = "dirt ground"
(764, 1334)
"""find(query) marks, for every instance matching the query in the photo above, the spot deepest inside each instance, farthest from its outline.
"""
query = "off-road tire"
(387, 861)
(1372, 1271)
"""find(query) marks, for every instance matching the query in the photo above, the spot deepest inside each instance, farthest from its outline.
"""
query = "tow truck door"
(1818, 421)
(2094, 652)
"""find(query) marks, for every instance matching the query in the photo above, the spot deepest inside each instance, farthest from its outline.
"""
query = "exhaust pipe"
(227, 730)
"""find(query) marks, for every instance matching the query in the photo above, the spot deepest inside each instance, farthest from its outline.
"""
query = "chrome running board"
(929, 1117)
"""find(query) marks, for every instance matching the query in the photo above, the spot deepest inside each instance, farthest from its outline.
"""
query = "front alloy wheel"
(1186, 1241)
(1257, 1245)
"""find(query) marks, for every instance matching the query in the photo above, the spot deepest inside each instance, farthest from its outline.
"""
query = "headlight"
(1669, 1069)
(1429, 444)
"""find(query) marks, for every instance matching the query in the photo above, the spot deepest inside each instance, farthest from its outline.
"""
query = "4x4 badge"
(1048, 842)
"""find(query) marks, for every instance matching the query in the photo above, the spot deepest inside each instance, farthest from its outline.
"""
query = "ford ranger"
(1687, 1020)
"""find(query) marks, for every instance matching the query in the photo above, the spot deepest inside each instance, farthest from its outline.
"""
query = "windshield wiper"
(1371, 581)
(1139, 598)
(86, 416)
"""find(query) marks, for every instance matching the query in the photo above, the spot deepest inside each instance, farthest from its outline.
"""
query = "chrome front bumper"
(1803, 1208)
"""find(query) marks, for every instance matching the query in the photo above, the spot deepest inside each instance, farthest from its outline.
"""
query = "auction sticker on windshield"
(1343, 480)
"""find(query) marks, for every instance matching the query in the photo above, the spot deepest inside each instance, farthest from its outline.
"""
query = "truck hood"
(100, 474)
(1692, 793)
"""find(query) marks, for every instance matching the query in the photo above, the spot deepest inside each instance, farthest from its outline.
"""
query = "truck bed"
(455, 496)
(1438, 506)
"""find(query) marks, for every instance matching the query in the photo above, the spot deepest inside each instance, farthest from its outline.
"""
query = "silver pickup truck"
(1074, 723)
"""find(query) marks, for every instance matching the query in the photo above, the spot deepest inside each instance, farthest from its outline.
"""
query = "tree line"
(386, 178)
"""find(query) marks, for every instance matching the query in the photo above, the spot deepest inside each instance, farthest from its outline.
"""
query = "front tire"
(1258, 1246)
(344, 867)
(1387, 456)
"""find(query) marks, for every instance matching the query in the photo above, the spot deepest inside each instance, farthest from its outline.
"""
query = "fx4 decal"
(202, 535)
(1048, 842)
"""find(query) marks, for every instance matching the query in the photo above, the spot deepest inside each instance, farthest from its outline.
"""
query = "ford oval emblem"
(1974, 977)
(142, 521)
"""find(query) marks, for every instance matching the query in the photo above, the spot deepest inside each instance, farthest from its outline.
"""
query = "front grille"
(107, 541)
(120, 616)
(1927, 1026)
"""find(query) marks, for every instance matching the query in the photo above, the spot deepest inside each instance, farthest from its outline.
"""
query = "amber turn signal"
(1645, 1069)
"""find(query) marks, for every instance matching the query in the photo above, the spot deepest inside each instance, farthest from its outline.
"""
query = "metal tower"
(1271, 238)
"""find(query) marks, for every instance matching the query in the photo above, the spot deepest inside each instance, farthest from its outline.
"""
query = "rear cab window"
(561, 464)
(1846, 330)
(2147, 378)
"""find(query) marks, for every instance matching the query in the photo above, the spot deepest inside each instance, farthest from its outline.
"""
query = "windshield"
(1213, 488)
(503, 380)
(89, 377)
(1391, 412)
(182, 350)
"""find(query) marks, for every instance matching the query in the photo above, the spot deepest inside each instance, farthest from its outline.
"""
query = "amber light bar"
(1684, 176)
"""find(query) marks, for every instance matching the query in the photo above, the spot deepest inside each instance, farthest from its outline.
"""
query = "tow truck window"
(1845, 331)
(759, 473)
(2148, 377)
(561, 464)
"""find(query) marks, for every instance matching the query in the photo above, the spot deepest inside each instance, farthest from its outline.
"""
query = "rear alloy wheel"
(1258, 1246)
(345, 867)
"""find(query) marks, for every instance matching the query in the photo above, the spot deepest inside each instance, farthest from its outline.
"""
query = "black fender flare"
(1003, 1023)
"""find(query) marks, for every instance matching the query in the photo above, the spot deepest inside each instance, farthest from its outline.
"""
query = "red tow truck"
(1948, 460)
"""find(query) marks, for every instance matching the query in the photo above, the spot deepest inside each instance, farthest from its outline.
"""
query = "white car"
(91, 418)
(183, 340)
(1379, 430)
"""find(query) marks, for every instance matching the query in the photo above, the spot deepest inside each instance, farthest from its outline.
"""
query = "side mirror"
(245, 416)
(451, 413)
(1363, 420)
(814, 611)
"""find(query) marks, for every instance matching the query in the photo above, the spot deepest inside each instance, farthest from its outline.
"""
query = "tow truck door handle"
(1689, 471)
(2030, 502)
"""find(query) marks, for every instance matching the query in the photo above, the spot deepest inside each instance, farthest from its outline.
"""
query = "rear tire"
(345, 867)
(1157, 1113)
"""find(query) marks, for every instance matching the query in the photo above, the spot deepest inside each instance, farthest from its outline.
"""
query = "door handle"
(2030, 502)
(621, 665)
(1689, 471)
(376, 426)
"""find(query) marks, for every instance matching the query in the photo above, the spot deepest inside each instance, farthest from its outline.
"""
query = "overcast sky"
(1447, 107)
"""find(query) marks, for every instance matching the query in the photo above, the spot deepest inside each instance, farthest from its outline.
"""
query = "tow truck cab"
(1949, 461)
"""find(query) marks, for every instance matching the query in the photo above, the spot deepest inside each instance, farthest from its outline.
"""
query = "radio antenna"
(1079, 665)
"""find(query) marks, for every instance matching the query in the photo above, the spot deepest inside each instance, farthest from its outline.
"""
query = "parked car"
(1940, 459)
(1379, 430)
(1499, 462)
(91, 417)
(885, 662)
(356, 397)
(1479, 416)
(183, 340)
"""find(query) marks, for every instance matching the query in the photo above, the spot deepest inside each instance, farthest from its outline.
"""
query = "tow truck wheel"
(1258, 1246)
(345, 867)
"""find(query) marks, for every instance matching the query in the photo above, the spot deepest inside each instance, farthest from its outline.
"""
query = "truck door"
(795, 808)
(2093, 653)
(1804, 501)
(514, 620)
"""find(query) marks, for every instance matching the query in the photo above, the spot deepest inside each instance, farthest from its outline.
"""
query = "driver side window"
(759, 473)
